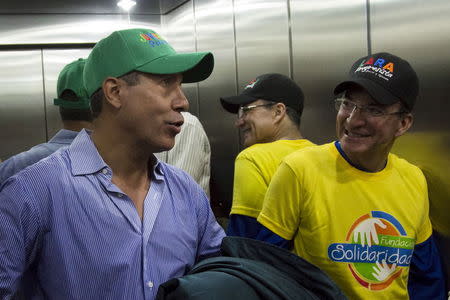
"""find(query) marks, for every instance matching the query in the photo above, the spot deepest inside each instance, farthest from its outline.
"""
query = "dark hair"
(131, 78)
(294, 116)
(73, 114)
(404, 108)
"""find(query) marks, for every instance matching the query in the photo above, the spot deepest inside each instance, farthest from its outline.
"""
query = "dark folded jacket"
(251, 269)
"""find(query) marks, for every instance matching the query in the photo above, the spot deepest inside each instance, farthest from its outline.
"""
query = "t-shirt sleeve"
(426, 277)
(424, 229)
(281, 210)
(249, 188)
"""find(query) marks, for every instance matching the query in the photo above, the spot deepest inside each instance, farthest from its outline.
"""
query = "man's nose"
(356, 115)
(239, 122)
(180, 103)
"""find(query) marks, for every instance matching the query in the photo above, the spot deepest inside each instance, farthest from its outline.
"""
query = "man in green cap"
(114, 223)
(75, 112)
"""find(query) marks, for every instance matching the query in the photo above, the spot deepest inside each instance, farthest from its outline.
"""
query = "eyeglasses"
(244, 109)
(348, 107)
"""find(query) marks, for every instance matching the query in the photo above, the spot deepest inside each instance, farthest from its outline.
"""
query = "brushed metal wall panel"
(22, 92)
(168, 5)
(178, 29)
(327, 36)
(214, 28)
(261, 38)
(67, 28)
(22, 113)
(53, 62)
(419, 32)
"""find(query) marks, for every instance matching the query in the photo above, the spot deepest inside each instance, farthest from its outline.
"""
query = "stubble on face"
(154, 112)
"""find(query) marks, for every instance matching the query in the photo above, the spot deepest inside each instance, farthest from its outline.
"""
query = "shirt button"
(105, 171)
(150, 284)
(119, 195)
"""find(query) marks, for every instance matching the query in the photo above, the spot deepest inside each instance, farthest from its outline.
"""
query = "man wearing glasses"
(268, 111)
(350, 207)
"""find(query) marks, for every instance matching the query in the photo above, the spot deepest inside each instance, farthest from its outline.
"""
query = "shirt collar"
(63, 136)
(158, 169)
(85, 159)
(338, 146)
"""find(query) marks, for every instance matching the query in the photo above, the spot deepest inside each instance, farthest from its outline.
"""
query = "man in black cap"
(351, 207)
(269, 111)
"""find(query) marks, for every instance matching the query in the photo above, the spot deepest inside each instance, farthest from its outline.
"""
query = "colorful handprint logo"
(376, 249)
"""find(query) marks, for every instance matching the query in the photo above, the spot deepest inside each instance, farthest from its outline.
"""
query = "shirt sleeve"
(19, 236)
(243, 226)
(426, 277)
(10, 167)
(269, 237)
(210, 232)
(192, 152)
(20, 161)
(249, 188)
(281, 210)
(425, 228)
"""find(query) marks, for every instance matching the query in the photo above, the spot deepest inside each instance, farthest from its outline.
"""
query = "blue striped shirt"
(24, 159)
(80, 237)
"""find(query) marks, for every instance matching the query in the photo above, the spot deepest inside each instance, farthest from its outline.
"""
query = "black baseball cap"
(270, 87)
(386, 77)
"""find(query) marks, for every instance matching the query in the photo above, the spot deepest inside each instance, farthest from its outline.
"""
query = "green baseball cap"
(71, 78)
(142, 50)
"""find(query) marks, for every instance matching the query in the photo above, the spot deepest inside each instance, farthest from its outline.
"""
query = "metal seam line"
(236, 64)
(43, 89)
(291, 51)
(197, 85)
(369, 36)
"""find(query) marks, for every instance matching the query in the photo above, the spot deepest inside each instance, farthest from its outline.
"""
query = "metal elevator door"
(28, 84)
(22, 110)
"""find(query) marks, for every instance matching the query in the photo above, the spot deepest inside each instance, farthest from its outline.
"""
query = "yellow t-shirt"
(332, 210)
(253, 170)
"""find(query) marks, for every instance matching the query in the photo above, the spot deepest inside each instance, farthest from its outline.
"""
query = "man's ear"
(111, 88)
(279, 111)
(405, 123)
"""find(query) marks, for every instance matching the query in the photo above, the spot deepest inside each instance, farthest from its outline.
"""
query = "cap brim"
(376, 91)
(232, 104)
(195, 67)
(82, 103)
